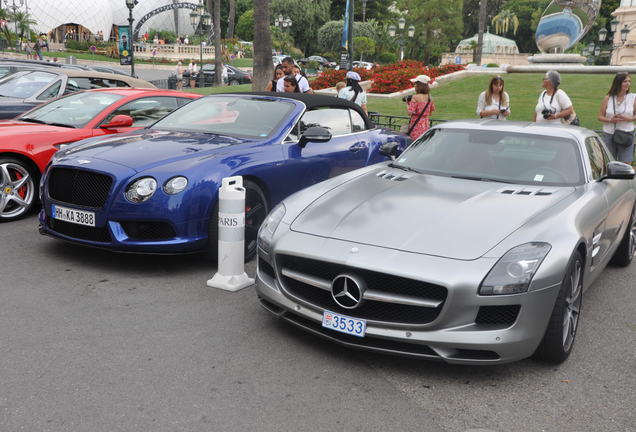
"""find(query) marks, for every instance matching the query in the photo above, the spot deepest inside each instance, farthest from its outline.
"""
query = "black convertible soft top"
(313, 101)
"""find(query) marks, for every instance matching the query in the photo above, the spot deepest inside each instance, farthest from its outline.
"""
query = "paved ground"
(95, 341)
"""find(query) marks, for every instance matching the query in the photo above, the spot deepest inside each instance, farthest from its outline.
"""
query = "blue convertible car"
(155, 190)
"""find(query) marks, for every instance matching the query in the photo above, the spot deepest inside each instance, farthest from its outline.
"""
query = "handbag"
(622, 138)
(406, 129)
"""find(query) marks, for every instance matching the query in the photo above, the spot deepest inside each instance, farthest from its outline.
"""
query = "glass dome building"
(90, 18)
(492, 44)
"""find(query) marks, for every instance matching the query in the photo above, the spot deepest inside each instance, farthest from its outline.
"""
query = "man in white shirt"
(288, 68)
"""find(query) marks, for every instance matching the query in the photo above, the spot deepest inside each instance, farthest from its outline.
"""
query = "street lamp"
(130, 4)
(604, 35)
(284, 24)
(14, 8)
(410, 32)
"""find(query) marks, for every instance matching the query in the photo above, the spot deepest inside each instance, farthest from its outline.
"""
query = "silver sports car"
(474, 246)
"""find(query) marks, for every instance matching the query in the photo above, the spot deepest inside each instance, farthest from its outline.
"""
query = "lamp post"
(410, 32)
(201, 20)
(603, 36)
(284, 25)
(130, 4)
(14, 8)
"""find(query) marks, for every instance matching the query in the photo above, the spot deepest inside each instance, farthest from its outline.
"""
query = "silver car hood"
(425, 214)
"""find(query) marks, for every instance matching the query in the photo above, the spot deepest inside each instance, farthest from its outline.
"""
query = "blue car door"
(348, 148)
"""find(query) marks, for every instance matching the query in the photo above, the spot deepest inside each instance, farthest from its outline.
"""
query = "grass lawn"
(458, 99)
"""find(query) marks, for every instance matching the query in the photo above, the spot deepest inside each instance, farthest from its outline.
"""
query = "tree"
(363, 45)
(307, 17)
(330, 34)
(438, 25)
(528, 12)
(471, 15)
(504, 21)
(262, 46)
(230, 20)
(245, 26)
(483, 6)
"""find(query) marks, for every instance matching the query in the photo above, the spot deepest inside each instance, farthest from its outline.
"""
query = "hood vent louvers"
(393, 176)
(526, 191)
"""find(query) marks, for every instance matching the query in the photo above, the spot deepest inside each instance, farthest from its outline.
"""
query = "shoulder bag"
(406, 129)
(621, 138)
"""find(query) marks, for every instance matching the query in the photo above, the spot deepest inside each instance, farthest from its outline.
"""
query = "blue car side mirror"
(314, 134)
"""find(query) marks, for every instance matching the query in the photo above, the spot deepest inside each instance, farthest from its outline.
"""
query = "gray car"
(474, 246)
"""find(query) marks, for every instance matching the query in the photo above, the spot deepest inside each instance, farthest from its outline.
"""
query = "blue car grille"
(148, 230)
(370, 309)
(79, 187)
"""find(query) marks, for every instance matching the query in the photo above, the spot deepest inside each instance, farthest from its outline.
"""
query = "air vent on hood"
(526, 191)
(393, 176)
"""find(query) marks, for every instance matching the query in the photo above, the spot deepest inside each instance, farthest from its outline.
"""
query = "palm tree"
(504, 20)
(263, 66)
(24, 23)
(231, 17)
(218, 53)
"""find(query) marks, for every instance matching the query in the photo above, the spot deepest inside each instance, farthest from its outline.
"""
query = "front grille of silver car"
(388, 298)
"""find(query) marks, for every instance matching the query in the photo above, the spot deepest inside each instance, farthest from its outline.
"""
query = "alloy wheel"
(17, 190)
(572, 305)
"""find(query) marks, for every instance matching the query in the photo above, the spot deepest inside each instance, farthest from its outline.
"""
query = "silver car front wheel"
(559, 336)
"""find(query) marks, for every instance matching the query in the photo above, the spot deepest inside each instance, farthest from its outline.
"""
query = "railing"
(394, 122)
(150, 50)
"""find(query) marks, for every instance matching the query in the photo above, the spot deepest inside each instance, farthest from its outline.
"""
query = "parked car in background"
(363, 65)
(156, 190)
(21, 91)
(474, 246)
(322, 61)
(28, 142)
(235, 76)
(107, 69)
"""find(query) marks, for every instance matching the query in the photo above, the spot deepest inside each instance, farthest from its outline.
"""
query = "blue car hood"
(148, 148)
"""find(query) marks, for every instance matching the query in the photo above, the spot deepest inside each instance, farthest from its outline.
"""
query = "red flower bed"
(329, 77)
(387, 79)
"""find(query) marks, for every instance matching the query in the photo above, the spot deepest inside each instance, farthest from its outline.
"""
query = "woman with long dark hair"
(353, 92)
(494, 103)
(290, 84)
(617, 114)
(278, 74)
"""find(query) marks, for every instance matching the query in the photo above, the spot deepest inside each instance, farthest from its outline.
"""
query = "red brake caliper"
(23, 190)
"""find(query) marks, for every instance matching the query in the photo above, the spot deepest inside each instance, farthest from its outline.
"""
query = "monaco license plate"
(80, 217)
(344, 324)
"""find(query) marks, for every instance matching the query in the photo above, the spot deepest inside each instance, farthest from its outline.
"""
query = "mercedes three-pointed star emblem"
(347, 291)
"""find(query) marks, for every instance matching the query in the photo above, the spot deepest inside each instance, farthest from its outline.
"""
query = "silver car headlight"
(514, 271)
(175, 185)
(141, 189)
(268, 228)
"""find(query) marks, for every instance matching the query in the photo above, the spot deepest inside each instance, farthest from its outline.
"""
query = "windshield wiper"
(31, 120)
(404, 167)
(484, 179)
(63, 125)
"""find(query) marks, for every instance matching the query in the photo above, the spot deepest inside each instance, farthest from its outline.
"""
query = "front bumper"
(455, 335)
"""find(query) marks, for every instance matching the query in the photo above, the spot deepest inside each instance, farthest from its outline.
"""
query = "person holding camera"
(420, 107)
(494, 103)
(554, 105)
(617, 115)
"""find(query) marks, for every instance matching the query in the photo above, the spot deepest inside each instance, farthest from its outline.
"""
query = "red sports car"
(28, 141)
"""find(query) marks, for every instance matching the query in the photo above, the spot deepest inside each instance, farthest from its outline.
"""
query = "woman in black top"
(278, 74)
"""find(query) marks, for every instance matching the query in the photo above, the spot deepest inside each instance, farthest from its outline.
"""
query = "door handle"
(360, 145)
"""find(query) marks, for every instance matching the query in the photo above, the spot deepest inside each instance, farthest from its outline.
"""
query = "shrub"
(492, 65)
(387, 57)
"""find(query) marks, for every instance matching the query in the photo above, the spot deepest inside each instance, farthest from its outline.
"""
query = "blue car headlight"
(514, 271)
(141, 189)
(175, 185)
(268, 228)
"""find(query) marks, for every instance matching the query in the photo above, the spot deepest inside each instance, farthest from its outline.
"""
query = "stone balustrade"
(173, 52)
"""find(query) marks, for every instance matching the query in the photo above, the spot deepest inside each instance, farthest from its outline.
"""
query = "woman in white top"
(353, 92)
(494, 103)
(617, 114)
(554, 105)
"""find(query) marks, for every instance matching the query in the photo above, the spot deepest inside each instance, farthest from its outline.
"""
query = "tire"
(256, 210)
(234, 82)
(558, 339)
(626, 249)
(18, 189)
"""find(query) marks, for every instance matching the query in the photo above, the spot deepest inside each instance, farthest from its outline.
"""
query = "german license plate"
(344, 324)
(80, 217)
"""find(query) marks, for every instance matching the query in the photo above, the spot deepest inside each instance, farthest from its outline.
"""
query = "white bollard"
(230, 275)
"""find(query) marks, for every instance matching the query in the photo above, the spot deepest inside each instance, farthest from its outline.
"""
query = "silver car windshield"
(228, 115)
(75, 110)
(23, 85)
(495, 156)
